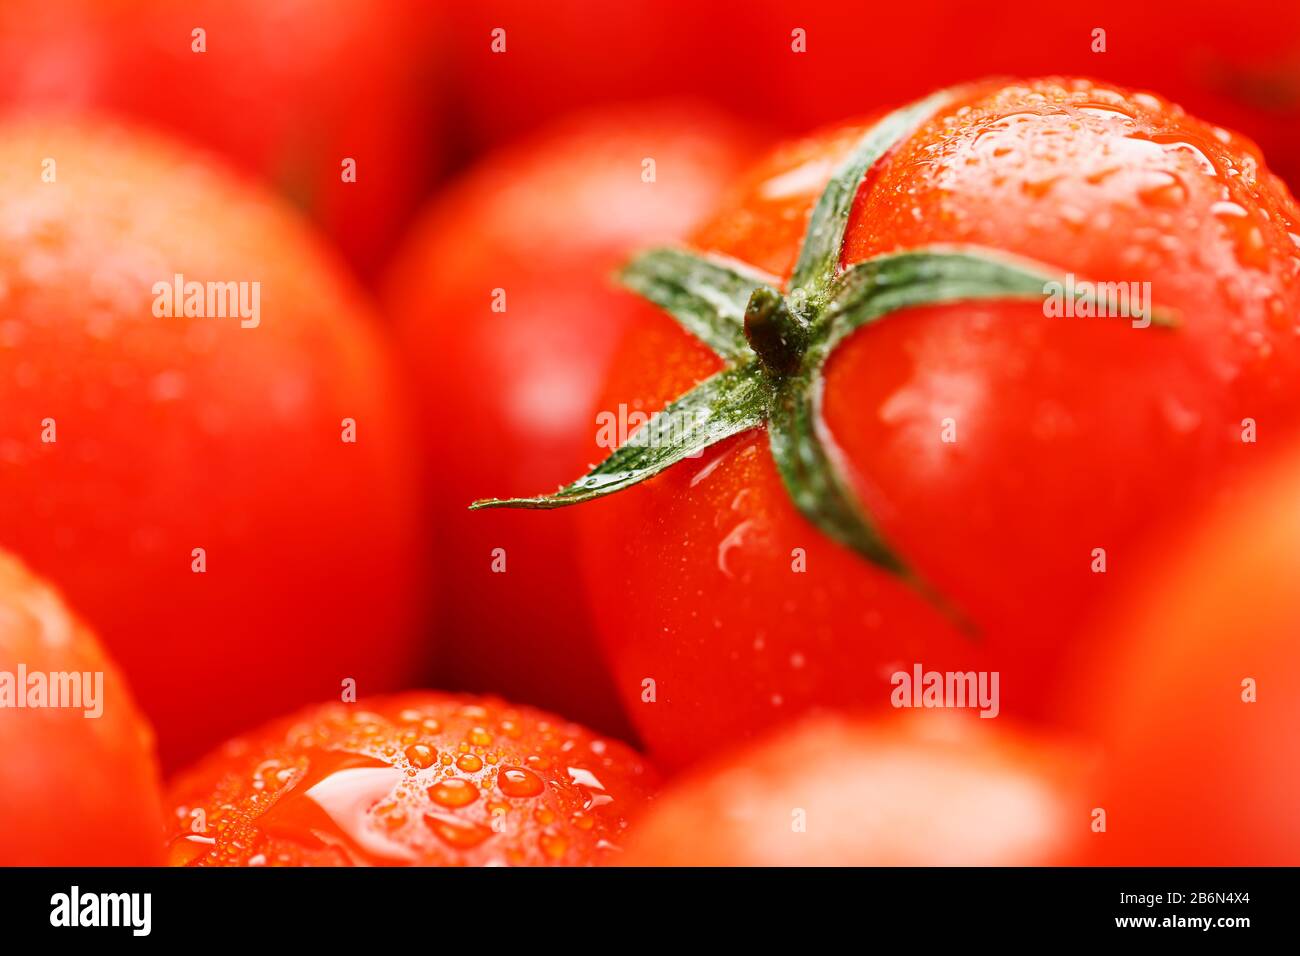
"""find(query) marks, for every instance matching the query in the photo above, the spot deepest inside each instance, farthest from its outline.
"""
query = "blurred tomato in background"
(1193, 687)
(1237, 69)
(131, 436)
(921, 788)
(78, 783)
(504, 305)
(286, 89)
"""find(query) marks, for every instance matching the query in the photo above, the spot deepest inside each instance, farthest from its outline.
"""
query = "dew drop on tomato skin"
(329, 806)
(1247, 238)
(518, 782)
(453, 792)
(470, 763)
(184, 850)
(455, 832)
(421, 756)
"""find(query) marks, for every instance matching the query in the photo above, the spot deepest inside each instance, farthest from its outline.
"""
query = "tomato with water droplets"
(1011, 454)
(419, 778)
(220, 482)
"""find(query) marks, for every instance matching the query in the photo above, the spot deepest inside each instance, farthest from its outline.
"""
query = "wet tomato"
(991, 458)
(189, 480)
(414, 779)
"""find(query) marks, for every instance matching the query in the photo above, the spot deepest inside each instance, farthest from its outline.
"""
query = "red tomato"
(287, 89)
(78, 782)
(995, 448)
(128, 440)
(1239, 71)
(508, 377)
(1195, 689)
(417, 778)
(915, 790)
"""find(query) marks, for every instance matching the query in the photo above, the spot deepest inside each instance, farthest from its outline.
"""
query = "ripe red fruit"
(914, 790)
(285, 89)
(417, 778)
(130, 440)
(78, 783)
(1194, 687)
(972, 452)
(503, 301)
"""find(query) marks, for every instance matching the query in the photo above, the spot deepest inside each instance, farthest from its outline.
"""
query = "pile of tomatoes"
(312, 652)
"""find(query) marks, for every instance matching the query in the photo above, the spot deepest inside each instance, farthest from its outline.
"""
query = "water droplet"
(453, 792)
(421, 755)
(455, 832)
(518, 782)
(470, 763)
(1162, 190)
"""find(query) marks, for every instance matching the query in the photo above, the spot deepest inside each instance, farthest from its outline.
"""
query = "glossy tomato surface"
(1005, 455)
(921, 789)
(419, 778)
(132, 439)
(79, 781)
(1194, 689)
(285, 89)
(504, 302)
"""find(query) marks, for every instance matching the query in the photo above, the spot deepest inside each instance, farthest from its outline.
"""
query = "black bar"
(430, 906)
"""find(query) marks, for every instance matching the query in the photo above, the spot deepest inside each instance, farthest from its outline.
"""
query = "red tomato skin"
(175, 433)
(1073, 434)
(509, 393)
(78, 786)
(419, 778)
(1197, 775)
(285, 89)
(910, 789)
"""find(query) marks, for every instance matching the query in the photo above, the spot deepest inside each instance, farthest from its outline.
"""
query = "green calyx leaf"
(732, 401)
(706, 294)
(819, 258)
(776, 346)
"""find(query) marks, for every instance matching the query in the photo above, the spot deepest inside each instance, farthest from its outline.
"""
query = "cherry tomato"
(188, 481)
(504, 305)
(1194, 687)
(79, 781)
(417, 778)
(910, 790)
(286, 89)
(1014, 461)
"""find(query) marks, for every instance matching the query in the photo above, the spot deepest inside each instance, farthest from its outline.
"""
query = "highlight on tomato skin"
(79, 783)
(418, 778)
(908, 789)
